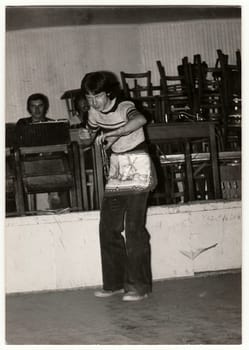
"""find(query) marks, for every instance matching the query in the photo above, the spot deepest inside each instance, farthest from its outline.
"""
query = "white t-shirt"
(113, 119)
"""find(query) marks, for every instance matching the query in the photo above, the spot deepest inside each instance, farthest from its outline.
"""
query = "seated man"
(37, 106)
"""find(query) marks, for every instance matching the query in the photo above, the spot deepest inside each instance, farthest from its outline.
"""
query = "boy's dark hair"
(38, 96)
(96, 82)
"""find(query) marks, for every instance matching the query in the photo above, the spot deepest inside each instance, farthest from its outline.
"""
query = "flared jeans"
(125, 243)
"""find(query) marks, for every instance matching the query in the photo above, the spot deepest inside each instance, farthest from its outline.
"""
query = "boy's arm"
(133, 124)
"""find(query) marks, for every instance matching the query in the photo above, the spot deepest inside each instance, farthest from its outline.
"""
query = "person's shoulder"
(24, 121)
(126, 104)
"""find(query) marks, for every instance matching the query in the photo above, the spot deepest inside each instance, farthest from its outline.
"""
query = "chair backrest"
(206, 77)
(136, 85)
(176, 91)
(43, 134)
(231, 76)
(45, 169)
(208, 97)
(170, 83)
(10, 135)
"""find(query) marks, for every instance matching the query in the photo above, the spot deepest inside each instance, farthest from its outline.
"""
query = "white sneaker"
(107, 293)
(134, 296)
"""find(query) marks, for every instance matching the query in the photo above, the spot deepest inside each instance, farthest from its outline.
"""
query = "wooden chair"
(176, 93)
(208, 90)
(231, 76)
(186, 71)
(138, 87)
(47, 165)
(188, 174)
(14, 199)
(208, 98)
(46, 170)
(231, 90)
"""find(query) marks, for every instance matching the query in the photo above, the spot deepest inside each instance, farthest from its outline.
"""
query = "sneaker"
(107, 293)
(134, 296)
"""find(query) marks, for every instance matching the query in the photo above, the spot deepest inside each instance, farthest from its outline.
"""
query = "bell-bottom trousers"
(126, 258)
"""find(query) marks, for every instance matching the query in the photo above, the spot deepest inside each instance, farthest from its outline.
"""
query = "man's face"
(37, 110)
(83, 105)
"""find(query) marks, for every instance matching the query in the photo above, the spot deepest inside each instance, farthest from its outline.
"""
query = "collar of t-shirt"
(114, 106)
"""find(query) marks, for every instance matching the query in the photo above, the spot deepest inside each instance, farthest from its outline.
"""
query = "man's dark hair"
(38, 96)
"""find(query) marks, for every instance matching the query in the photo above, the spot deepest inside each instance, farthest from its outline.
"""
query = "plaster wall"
(53, 60)
(56, 252)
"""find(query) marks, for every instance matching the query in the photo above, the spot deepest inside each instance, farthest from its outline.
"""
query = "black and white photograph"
(122, 219)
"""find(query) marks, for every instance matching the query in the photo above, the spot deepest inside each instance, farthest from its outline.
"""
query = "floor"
(201, 310)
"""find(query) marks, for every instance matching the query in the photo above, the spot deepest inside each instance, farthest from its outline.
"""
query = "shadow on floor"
(199, 310)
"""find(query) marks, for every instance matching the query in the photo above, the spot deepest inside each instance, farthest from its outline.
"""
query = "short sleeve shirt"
(117, 117)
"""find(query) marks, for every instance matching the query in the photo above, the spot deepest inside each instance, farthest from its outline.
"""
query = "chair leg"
(20, 200)
(83, 179)
(32, 201)
(90, 187)
(189, 172)
(77, 179)
(73, 190)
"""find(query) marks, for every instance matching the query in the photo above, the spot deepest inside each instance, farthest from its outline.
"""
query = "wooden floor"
(200, 310)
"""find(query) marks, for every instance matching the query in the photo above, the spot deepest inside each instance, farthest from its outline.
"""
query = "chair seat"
(44, 184)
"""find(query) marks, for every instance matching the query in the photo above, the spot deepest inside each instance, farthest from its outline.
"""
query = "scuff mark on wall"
(193, 254)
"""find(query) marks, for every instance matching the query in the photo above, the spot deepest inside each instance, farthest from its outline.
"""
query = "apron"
(130, 172)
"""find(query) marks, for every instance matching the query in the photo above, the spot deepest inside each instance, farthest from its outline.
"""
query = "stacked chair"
(202, 94)
(138, 87)
(197, 94)
(231, 91)
(176, 92)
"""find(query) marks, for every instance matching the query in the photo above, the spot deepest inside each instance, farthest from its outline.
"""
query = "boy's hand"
(100, 139)
(106, 140)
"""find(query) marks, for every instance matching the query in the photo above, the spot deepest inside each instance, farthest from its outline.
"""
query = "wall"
(170, 42)
(55, 252)
(53, 60)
